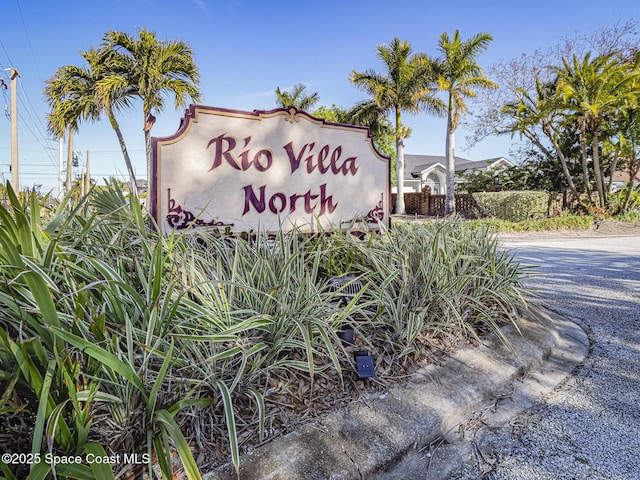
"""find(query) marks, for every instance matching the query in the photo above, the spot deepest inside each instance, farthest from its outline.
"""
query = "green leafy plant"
(116, 338)
(512, 205)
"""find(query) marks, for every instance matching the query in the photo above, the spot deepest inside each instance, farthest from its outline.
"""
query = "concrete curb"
(386, 436)
(532, 237)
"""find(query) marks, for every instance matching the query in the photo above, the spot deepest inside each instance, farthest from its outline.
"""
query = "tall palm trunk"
(450, 201)
(400, 209)
(149, 121)
(125, 153)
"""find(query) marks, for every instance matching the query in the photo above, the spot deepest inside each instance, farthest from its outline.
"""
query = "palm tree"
(458, 75)
(378, 123)
(406, 86)
(296, 97)
(593, 89)
(151, 69)
(539, 110)
(627, 147)
(74, 94)
(369, 115)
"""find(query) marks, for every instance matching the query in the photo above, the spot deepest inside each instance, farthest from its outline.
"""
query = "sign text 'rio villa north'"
(267, 170)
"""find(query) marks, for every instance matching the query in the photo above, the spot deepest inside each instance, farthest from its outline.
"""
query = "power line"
(24, 98)
(29, 112)
(30, 109)
(37, 175)
(118, 151)
(22, 164)
(25, 101)
(26, 32)
(4, 87)
(6, 53)
(38, 140)
(37, 123)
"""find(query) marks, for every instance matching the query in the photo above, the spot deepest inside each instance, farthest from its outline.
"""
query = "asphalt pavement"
(589, 426)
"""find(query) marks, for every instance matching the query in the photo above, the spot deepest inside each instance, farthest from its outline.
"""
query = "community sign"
(267, 170)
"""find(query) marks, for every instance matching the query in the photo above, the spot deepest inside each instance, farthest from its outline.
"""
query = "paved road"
(589, 427)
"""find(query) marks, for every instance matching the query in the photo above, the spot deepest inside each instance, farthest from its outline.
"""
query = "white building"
(430, 170)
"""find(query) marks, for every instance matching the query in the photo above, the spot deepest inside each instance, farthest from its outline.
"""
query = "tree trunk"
(125, 153)
(399, 165)
(612, 171)
(585, 161)
(149, 121)
(450, 201)
(595, 146)
(634, 168)
(563, 160)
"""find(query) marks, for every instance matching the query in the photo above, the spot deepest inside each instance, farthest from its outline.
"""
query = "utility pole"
(69, 160)
(60, 161)
(4, 86)
(15, 178)
(88, 172)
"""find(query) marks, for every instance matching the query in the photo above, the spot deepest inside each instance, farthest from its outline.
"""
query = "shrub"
(561, 222)
(632, 216)
(439, 278)
(512, 206)
(616, 200)
(114, 338)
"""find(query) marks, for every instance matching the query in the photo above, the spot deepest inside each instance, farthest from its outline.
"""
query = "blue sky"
(246, 48)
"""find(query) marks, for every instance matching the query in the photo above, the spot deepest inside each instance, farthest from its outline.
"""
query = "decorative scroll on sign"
(267, 170)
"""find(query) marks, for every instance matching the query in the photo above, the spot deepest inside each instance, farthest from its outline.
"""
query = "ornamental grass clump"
(118, 340)
(436, 279)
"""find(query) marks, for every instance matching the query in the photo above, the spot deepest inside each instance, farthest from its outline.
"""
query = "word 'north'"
(278, 202)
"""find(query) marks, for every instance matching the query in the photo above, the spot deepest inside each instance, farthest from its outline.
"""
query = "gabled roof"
(414, 165)
(619, 176)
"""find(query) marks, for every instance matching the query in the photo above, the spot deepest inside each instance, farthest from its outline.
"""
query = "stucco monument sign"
(267, 170)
